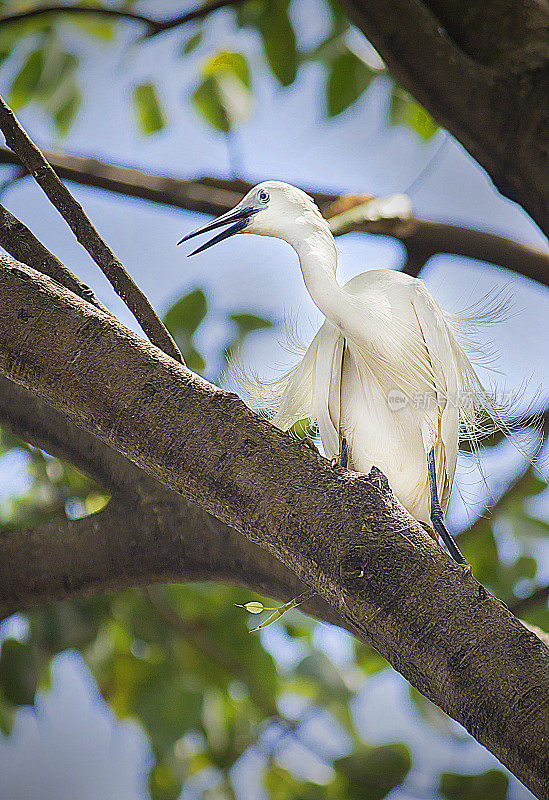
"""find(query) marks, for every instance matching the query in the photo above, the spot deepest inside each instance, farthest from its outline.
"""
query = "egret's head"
(271, 208)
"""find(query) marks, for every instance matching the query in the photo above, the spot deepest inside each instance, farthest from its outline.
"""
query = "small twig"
(23, 245)
(153, 26)
(73, 213)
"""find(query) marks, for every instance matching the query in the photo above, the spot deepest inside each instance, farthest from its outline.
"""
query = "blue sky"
(71, 733)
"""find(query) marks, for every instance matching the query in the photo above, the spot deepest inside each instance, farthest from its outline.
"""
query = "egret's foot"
(343, 458)
(453, 549)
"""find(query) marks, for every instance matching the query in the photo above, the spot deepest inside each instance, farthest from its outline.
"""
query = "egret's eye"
(263, 196)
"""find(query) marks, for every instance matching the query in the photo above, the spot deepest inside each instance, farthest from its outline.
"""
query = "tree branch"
(152, 26)
(23, 245)
(421, 238)
(341, 533)
(171, 540)
(497, 107)
(73, 213)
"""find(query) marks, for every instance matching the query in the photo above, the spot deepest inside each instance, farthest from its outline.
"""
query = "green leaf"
(481, 552)
(247, 323)
(224, 98)
(491, 785)
(208, 103)
(406, 111)
(19, 672)
(231, 63)
(27, 80)
(47, 77)
(148, 109)
(282, 785)
(187, 313)
(371, 772)
(59, 69)
(7, 715)
(279, 40)
(67, 111)
(191, 44)
(349, 77)
(164, 782)
(182, 320)
(270, 18)
(253, 607)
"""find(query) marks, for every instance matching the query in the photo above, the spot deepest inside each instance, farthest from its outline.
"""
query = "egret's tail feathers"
(487, 411)
(285, 400)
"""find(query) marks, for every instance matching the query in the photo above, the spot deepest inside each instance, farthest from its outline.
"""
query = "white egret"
(386, 377)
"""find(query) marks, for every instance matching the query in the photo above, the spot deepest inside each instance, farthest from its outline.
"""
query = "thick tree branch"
(171, 539)
(342, 533)
(138, 540)
(421, 238)
(152, 26)
(76, 566)
(74, 215)
(496, 107)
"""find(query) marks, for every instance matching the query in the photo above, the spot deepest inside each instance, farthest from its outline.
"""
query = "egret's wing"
(329, 364)
(437, 338)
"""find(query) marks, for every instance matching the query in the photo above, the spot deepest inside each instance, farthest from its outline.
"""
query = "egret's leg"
(436, 513)
(344, 455)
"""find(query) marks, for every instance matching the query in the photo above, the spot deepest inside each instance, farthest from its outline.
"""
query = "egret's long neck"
(315, 246)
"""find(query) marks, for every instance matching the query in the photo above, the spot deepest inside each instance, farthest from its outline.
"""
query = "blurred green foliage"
(491, 785)
(47, 64)
(150, 117)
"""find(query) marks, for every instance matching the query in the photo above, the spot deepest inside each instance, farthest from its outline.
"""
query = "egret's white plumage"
(386, 371)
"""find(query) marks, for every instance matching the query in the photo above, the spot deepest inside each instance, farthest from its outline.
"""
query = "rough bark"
(482, 70)
(343, 534)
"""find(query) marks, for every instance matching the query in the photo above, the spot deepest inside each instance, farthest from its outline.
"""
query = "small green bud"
(254, 607)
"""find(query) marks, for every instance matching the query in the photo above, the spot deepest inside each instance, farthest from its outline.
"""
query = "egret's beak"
(240, 216)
